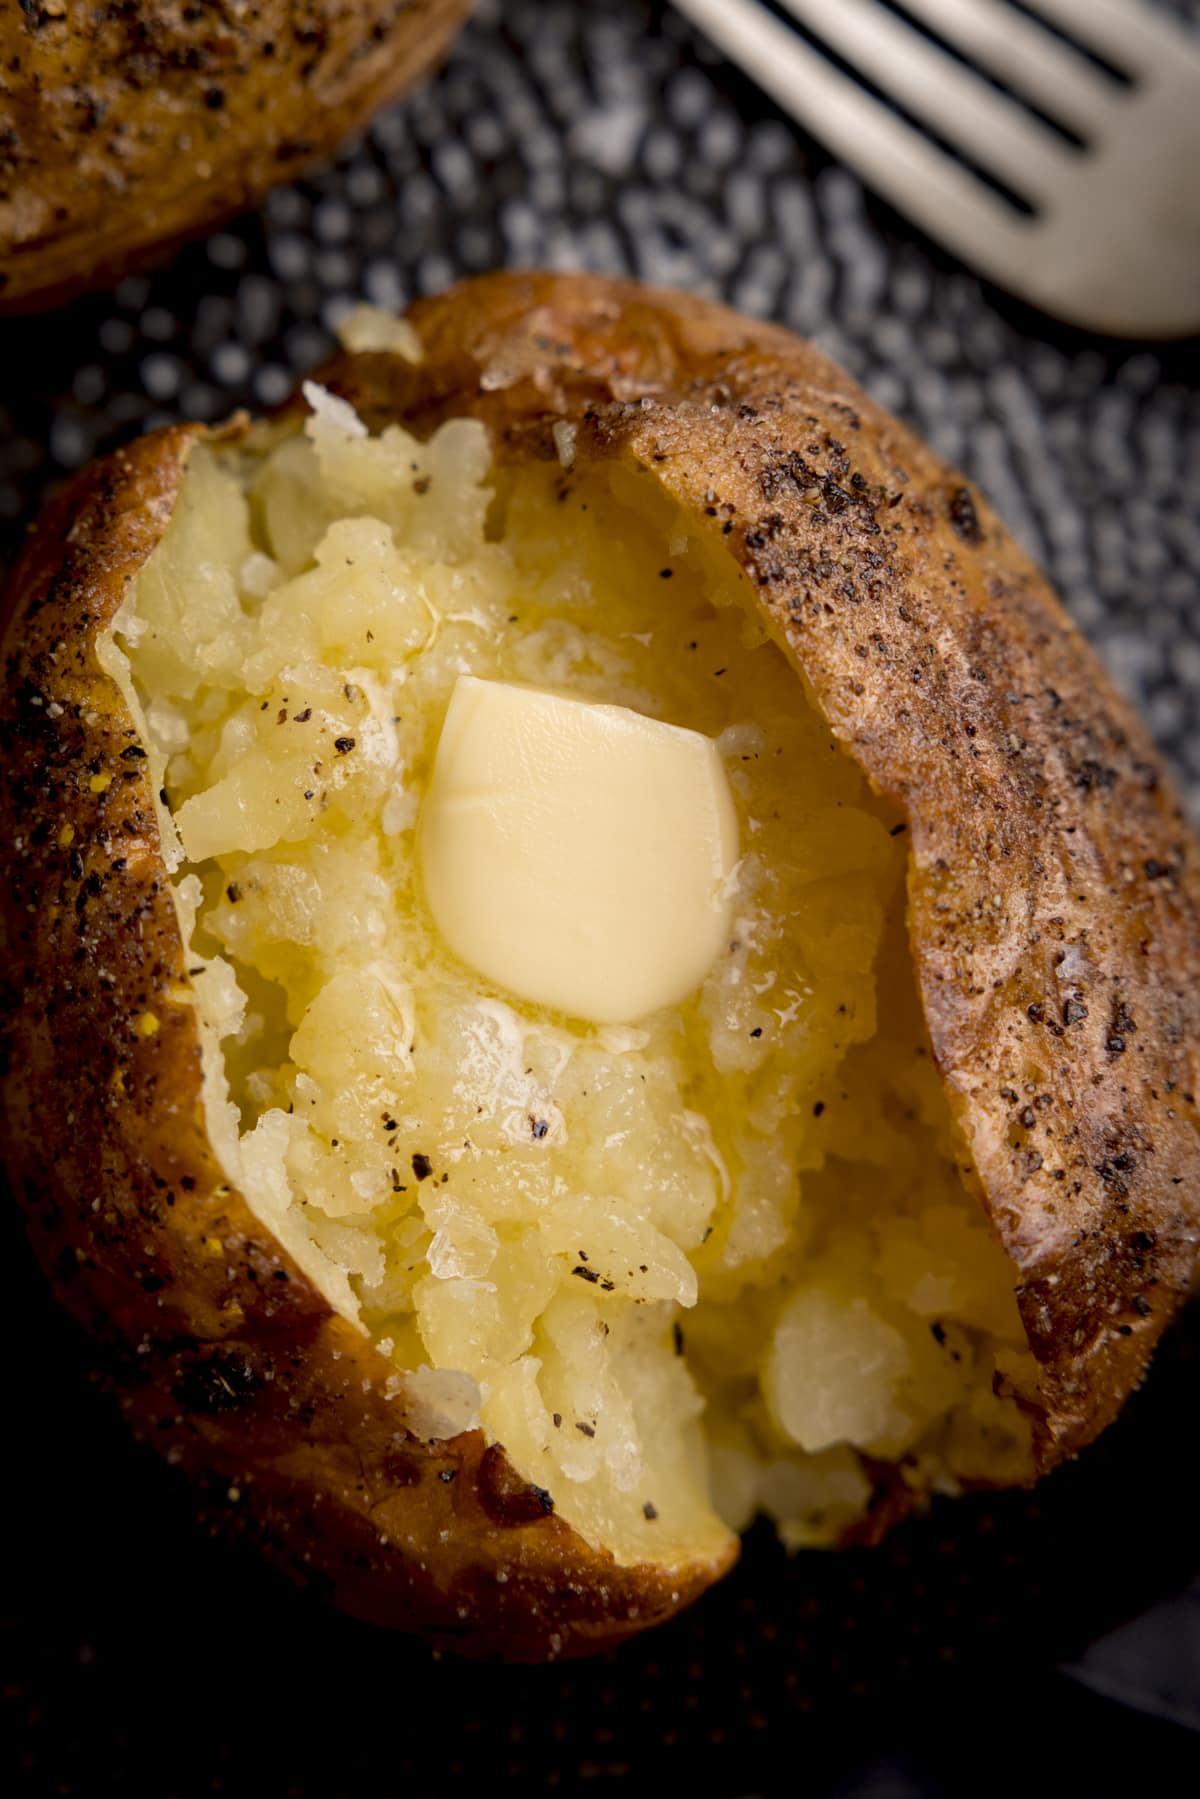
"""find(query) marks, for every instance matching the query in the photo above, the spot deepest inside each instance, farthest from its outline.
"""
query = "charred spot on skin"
(220, 1382)
(1113, 1170)
(401, 1470)
(963, 516)
(1092, 775)
(505, 1497)
(1141, 1244)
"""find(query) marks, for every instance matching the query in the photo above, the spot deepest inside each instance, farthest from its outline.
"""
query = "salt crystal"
(440, 1403)
(330, 409)
(564, 434)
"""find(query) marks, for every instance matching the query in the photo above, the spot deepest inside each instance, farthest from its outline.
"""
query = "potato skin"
(124, 129)
(1042, 826)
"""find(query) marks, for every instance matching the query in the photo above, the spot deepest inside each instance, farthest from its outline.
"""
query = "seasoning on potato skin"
(318, 1430)
(180, 123)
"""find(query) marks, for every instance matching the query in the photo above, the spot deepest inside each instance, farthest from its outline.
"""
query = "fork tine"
(1127, 33)
(997, 132)
(1011, 46)
(920, 180)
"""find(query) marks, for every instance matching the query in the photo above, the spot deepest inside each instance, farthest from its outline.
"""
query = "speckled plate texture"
(139, 1658)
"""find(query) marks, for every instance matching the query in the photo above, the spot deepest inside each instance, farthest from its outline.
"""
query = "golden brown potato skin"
(1042, 825)
(126, 128)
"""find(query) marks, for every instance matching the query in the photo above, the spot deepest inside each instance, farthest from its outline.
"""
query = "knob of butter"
(578, 855)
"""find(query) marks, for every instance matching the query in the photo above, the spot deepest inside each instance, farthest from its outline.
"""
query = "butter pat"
(578, 855)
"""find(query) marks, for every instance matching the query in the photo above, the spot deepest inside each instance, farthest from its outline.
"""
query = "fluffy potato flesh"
(722, 1261)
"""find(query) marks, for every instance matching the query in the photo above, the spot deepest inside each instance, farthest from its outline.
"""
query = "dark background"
(137, 1657)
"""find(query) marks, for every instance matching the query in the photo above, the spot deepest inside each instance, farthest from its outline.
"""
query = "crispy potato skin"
(1042, 828)
(124, 129)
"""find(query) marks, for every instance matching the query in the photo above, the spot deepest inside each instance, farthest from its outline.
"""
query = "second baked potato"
(500, 1318)
(126, 129)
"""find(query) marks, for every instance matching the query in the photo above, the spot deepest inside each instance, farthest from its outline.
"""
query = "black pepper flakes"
(422, 1167)
(343, 745)
(963, 516)
(650, 1511)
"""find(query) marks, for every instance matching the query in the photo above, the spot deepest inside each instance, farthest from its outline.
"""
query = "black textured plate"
(142, 1659)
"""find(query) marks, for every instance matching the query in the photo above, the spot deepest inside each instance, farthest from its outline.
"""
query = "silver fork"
(1113, 238)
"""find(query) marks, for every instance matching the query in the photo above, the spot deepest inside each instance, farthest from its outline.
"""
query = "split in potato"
(703, 1264)
(500, 1321)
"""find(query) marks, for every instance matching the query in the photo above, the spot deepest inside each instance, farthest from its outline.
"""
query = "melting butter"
(578, 855)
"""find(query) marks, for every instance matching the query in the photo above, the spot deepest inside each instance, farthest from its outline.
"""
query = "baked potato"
(493, 1317)
(126, 129)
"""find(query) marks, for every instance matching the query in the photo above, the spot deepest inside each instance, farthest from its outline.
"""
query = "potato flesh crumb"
(704, 1260)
